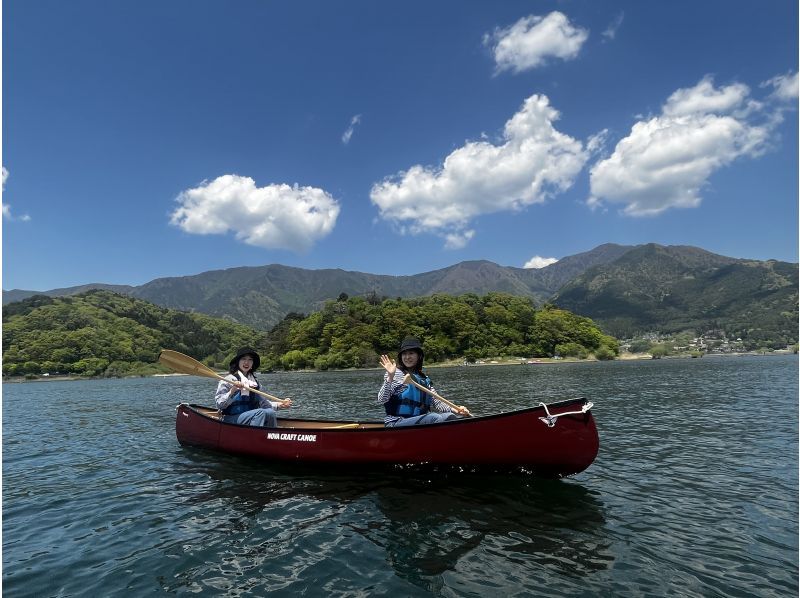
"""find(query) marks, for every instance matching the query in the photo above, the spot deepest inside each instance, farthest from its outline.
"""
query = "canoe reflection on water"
(425, 525)
(430, 527)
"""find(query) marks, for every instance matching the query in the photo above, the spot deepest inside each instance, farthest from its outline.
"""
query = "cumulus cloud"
(531, 163)
(349, 132)
(785, 86)
(531, 41)
(537, 262)
(704, 98)
(666, 160)
(272, 217)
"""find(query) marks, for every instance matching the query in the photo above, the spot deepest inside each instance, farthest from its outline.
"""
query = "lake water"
(694, 492)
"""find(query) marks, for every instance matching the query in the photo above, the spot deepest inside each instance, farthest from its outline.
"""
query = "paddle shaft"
(409, 380)
(188, 365)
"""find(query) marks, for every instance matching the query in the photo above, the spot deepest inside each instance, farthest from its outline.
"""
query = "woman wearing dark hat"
(237, 403)
(405, 404)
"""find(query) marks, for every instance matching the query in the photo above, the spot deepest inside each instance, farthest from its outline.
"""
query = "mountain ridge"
(626, 289)
(253, 295)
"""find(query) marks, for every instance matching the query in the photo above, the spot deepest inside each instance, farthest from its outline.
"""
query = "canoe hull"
(505, 441)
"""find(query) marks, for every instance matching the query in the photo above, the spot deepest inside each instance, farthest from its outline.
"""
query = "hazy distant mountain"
(624, 288)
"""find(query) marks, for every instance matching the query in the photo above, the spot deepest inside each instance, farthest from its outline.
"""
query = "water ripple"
(694, 493)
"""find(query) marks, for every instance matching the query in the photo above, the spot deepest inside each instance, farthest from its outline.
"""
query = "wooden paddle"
(410, 380)
(187, 365)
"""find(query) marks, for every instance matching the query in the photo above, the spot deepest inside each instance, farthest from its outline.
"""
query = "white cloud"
(667, 160)
(349, 132)
(7, 207)
(272, 217)
(539, 262)
(704, 98)
(8, 216)
(532, 40)
(533, 162)
(458, 240)
(611, 31)
(786, 86)
(597, 142)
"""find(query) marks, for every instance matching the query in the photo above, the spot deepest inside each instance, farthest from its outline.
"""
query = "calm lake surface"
(694, 492)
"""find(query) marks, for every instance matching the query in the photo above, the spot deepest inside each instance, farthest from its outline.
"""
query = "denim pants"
(427, 418)
(255, 417)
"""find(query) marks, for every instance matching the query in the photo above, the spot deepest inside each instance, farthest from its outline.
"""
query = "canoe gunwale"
(374, 425)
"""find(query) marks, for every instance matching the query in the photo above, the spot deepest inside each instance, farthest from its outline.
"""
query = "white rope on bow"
(551, 420)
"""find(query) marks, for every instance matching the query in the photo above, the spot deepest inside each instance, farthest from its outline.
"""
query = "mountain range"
(627, 290)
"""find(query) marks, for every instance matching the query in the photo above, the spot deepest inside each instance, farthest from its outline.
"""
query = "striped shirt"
(395, 387)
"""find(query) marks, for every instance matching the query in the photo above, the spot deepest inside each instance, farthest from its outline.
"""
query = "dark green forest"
(100, 333)
(352, 332)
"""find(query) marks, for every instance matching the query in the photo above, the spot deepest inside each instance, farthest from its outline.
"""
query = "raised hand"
(389, 365)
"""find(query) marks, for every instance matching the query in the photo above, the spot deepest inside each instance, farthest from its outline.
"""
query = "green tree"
(293, 360)
(572, 349)
(604, 353)
(659, 350)
(640, 346)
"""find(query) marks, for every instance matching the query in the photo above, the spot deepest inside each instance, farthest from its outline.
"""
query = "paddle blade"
(184, 364)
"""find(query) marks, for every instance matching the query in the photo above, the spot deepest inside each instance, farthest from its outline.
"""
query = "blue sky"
(144, 139)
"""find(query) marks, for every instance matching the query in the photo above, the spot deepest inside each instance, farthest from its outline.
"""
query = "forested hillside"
(103, 333)
(673, 289)
(260, 296)
(100, 333)
(352, 332)
(627, 291)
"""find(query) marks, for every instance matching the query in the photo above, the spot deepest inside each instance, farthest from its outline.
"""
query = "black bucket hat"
(410, 344)
(246, 351)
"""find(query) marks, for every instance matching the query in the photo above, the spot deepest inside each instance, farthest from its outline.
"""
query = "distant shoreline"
(448, 364)
(624, 357)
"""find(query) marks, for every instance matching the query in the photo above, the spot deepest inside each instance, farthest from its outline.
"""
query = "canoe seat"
(210, 412)
(293, 423)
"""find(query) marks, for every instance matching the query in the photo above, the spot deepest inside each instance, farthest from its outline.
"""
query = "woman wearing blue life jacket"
(405, 404)
(238, 404)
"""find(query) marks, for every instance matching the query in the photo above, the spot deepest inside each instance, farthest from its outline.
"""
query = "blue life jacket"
(412, 401)
(241, 404)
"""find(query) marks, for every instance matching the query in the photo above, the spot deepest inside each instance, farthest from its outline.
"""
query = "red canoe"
(550, 440)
